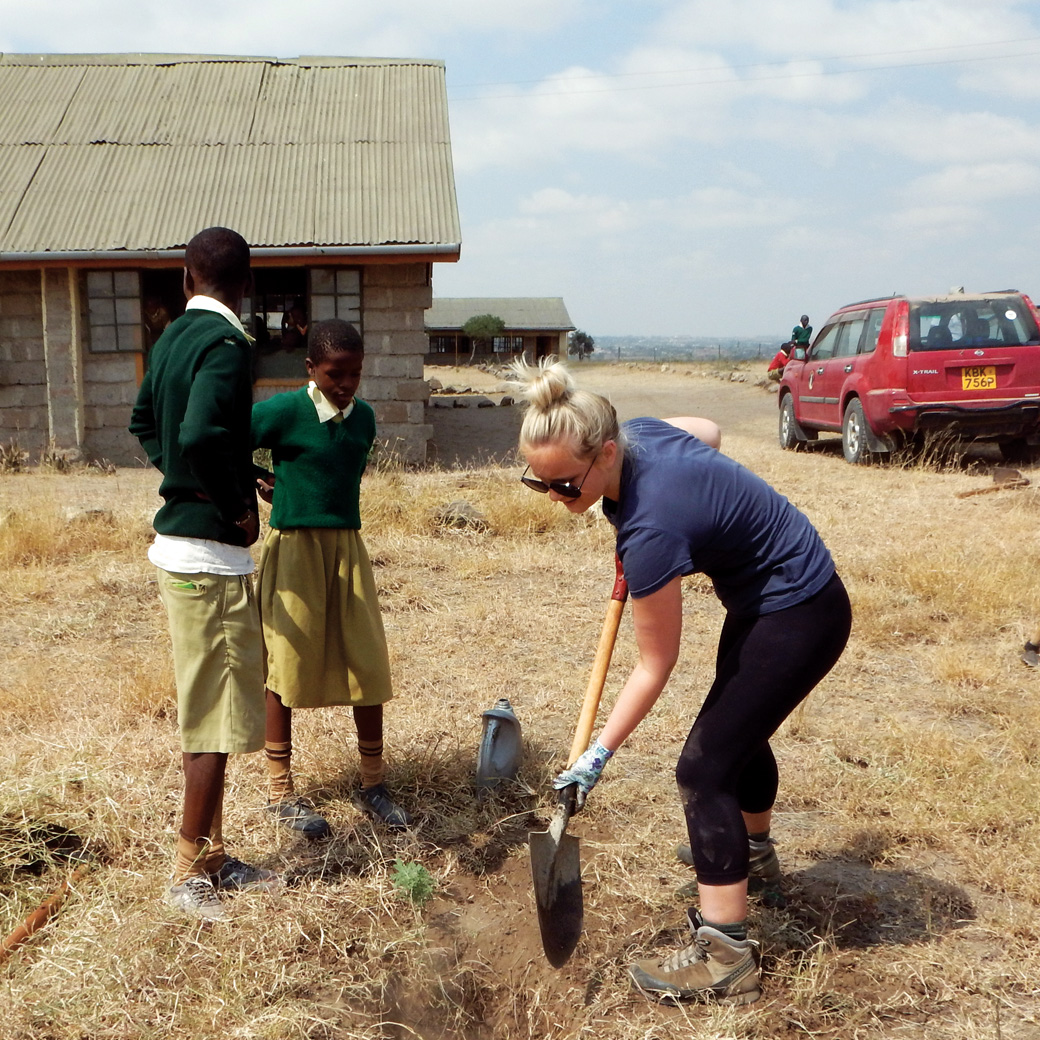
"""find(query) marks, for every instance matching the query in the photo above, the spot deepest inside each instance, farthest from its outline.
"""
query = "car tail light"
(900, 330)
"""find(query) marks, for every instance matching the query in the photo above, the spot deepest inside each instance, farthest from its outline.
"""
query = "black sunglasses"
(565, 488)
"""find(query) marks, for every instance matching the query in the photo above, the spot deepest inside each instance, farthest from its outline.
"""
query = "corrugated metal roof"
(137, 152)
(523, 312)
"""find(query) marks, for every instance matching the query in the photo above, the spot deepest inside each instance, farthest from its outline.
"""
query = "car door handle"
(848, 368)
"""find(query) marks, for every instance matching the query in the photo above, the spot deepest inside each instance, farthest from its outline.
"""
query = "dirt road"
(470, 435)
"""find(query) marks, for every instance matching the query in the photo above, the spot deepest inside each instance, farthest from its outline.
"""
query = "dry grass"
(908, 817)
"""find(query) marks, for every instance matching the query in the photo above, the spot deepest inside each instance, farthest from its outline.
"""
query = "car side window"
(823, 348)
(870, 338)
(849, 336)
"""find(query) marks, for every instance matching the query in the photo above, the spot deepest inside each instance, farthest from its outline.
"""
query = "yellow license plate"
(979, 377)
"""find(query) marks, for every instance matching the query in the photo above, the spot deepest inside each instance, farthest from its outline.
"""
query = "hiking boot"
(298, 814)
(376, 801)
(197, 896)
(236, 876)
(763, 864)
(714, 967)
(1031, 655)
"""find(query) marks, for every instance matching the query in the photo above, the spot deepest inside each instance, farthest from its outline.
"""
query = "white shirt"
(202, 555)
(324, 407)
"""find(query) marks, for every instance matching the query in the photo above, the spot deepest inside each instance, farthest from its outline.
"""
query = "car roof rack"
(873, 299)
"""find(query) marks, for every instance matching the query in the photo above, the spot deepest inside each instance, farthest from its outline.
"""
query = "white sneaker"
(196, 896)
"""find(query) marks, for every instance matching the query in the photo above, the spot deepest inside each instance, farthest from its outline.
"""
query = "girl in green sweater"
(322, 629)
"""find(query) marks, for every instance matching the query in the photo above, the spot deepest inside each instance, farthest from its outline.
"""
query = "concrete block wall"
(109, 392)
(23, 373)
(53, 387)
(395, 298)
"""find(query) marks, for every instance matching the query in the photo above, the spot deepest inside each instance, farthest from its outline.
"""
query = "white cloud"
(1015, 78)
(387, 28)
(974, 184)
(830, 28)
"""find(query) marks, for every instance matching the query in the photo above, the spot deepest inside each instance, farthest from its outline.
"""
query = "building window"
(442, 344)
(114, 311)
(508, 344)
(285, 303)
(336, 293)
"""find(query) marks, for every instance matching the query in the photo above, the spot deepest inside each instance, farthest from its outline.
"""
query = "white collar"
(325, 408)
(206, 303)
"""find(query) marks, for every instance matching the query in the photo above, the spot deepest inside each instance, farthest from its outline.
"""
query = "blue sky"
(678, 167)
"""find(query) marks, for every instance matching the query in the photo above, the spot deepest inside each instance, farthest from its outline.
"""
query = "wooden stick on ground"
(41, 915)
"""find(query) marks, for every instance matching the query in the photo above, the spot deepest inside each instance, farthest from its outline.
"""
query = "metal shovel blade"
(556, 872)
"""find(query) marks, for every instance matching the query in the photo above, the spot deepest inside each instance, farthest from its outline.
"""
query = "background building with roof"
(534, 326)
(337, 171)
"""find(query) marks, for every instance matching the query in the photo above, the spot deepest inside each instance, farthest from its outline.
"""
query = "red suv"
(884, 372)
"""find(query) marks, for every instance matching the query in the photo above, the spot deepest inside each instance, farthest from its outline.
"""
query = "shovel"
(555, 860)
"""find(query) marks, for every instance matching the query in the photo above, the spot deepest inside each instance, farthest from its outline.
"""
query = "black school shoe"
(298, 814)
(376, 801)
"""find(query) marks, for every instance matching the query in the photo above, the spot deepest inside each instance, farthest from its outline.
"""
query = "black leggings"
(765, 667)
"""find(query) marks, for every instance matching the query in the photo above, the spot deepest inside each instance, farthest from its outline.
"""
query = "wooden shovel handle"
(598, 678)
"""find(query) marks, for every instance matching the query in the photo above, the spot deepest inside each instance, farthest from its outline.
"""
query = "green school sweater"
(192, 418)
(317, 465)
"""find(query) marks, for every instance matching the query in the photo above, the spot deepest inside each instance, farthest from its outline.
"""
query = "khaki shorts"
(217, 660)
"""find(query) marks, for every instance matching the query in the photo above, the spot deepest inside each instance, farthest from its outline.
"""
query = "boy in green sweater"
(192, 417)
(322, 628)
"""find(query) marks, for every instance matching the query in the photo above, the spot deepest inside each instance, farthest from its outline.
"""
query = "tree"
(581, 344)
(482, 328)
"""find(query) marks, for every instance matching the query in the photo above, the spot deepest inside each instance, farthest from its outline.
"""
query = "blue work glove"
(585, 772)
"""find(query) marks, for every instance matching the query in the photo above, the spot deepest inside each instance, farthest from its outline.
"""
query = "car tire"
(792, 436)
(854, 434)
(1017, 450)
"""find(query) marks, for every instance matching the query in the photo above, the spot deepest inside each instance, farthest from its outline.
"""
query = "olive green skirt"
(323, 634)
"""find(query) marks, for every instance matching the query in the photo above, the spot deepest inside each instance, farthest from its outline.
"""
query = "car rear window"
(948, 324)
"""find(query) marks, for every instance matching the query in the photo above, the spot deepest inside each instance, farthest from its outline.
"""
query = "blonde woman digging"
(681, 507)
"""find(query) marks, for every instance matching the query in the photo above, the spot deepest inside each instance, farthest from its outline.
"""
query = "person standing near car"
(681, 507)
(801, 334)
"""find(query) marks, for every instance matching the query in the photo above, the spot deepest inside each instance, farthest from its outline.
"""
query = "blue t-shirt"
(686, 508)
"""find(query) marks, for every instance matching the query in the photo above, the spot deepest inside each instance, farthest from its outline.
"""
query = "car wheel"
(854, 433)
(1017, 450)
(791, 434)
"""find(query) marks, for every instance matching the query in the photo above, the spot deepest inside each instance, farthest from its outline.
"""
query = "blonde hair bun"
(545, 384)
(558, 411)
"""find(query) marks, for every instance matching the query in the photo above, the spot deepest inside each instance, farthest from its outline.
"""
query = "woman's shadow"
(850, 903)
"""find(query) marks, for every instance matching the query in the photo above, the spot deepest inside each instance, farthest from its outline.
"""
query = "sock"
(734, 931)
(760, 837)
(279, 771)
(215, 854)
(372, 768)
(189, 858)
